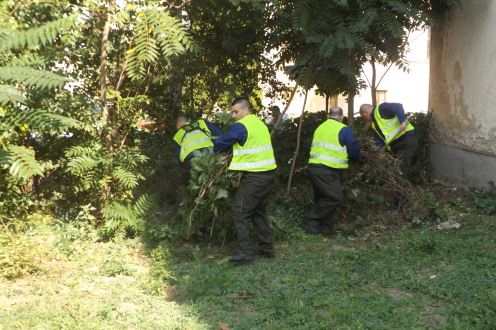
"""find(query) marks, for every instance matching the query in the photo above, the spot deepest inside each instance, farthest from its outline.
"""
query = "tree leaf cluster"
(338, 37)
(205, 207)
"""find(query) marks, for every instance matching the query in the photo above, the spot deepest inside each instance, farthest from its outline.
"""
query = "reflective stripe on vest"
(196, 139)
(389, 128)
(251, 151)
(326, 149)
(257, 154)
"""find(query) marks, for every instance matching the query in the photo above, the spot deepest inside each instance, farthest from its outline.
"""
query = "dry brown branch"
(381, 171)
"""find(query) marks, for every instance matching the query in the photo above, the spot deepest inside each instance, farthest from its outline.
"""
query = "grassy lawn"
(429, 278)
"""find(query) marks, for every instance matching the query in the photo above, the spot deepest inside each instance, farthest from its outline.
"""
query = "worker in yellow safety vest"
(253, 155)
(392, 132)
(333, 145)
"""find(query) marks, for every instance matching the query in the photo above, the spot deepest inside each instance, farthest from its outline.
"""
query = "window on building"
(381, 96)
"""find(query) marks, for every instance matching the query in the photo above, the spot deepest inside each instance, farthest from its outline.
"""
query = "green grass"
(410, 279)
(91, 286)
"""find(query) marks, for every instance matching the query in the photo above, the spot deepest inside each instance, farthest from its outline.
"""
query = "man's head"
(240, 108)
(366, 111)
(275, 112)
(181, 120)
(336, 113)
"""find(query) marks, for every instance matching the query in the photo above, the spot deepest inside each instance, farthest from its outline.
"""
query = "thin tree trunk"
(351, 94)
(192, 96)
(103, 86)
(103, 72)
(327, 104)
(373, 87)
(293, 164)
(351, 106)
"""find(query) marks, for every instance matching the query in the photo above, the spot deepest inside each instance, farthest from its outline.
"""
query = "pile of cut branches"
(205, 207)
(376, 178)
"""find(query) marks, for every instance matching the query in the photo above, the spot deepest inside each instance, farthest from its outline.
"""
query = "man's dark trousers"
(249, 205)
(404, 149)
(328, 195)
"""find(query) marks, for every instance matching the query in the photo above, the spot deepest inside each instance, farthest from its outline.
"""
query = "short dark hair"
(243, 101)
(274, 110)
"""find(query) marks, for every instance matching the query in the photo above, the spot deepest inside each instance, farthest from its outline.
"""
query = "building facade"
(462, 96)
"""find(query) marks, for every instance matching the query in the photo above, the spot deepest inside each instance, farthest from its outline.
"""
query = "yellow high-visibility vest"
(326, 148)
(389, 128)
(193, 136)
(257, 154)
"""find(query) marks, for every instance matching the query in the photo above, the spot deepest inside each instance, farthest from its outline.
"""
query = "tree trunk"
(373, 87)
(293, 164)
(327, 104)
(103, 72)
(103, 88)
(351, 93)
(351, 106)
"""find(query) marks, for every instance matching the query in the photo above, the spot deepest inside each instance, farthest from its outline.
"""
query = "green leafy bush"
(205, 208)
(485, 200)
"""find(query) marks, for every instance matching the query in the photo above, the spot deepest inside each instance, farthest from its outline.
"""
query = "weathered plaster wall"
(462, 94)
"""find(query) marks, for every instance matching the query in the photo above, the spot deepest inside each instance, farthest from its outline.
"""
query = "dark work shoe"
(241, 257)
(267, 254)
(310, 229)
(327, 231)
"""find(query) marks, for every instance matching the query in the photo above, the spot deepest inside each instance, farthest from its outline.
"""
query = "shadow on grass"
(413, 278)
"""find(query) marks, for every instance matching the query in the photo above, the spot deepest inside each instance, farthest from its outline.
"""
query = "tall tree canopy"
(328, 42)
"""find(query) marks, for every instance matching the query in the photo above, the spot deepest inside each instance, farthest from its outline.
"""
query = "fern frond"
(32, 77)
(170, 33)
(27, 59)
(155, 32)
(144, 205)
(126, 178)
(392, 26)
(8, 94)
(81, 164)
(37, 119)
(21, 161)
(75, 151)
(4, 13)
(37, 36)
(119, 219)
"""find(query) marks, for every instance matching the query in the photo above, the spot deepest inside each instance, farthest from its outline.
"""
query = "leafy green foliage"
(9, 94)
(485, 200)
(34, 37)
(229, 60)
(91, 170)
(123, 220)
(335, 38)
(36, 120)
(18, 126)
(205, 205)
(22, 162)
(155, 32)
(32, 77)
(284, 143)
(421, 167)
